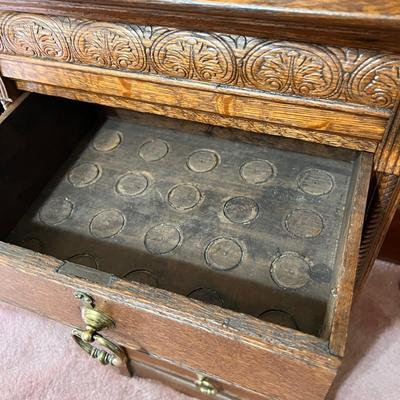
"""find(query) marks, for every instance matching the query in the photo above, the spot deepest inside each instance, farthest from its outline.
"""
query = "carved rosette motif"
(298, 69)
(373, 82)
(193, 55)
(108, 45)
(34, 36)
(289, 68)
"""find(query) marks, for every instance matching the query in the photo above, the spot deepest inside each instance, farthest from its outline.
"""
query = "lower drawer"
(228, 255)
(186, 381)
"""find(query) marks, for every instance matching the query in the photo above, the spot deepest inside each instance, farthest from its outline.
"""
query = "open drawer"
(230, 255)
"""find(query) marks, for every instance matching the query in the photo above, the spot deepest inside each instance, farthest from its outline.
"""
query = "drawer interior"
(250, 223)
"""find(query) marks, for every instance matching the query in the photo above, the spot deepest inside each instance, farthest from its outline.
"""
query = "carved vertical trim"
(381, 209)
(387, 157)
(384, 196)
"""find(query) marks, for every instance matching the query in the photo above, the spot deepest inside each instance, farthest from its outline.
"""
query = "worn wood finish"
(280, 67)
(189, 387)
(307, 135)
(183, 379)
(220, 343)
(339, 302)
(387, 157)
(30, 148)
(361, 22)
(338, 313)
(322, 72)
(197, 97)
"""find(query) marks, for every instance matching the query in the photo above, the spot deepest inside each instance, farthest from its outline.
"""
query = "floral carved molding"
(280, 67)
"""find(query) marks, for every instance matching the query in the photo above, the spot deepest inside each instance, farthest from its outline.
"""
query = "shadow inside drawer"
(253, 228)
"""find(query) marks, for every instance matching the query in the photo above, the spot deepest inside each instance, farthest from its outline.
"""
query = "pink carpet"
(39, 361)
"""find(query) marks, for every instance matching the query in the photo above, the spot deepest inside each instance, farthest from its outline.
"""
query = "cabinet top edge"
(341, 15)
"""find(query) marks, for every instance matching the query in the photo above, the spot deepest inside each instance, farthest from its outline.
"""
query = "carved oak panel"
(281, 67)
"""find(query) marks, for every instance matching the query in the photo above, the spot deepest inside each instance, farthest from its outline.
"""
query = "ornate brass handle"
(95, 321)
(116, 358)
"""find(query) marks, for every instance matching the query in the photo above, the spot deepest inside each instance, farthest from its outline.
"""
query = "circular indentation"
(321, 273)
(223, 253)
(203, 160)
(315, 181)
(142, 276)
(290, 271)
(184, 197)
(153, 150)
(132, 184)
(279, 317)
(55, 211)
(257, 172)
(84, 259)
(304, 223)
(33, 244)
(207, 295)
(241, 210)
(107, 140)
(84, 174)
(162, 239)
(107, 223)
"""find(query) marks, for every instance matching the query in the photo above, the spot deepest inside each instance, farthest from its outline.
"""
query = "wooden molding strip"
(126, 85)
(327, 138)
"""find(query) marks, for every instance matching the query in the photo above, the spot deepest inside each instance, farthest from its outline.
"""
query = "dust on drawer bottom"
(246, 226)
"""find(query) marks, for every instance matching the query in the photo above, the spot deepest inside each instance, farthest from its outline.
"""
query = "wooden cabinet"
(209, 218)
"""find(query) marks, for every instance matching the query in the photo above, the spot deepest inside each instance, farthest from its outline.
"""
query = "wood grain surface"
(265, 128)
(197, 97)
(320, 71)
(208, 339)
(184, 380)
(338, 313)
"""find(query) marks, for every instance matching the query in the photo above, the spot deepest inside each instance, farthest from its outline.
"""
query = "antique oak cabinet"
(199, 188)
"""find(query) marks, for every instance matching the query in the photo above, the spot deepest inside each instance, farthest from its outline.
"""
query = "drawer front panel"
(185, 380)
(218, 343)
(201, 97)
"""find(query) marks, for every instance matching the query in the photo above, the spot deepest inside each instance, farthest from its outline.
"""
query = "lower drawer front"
(186, 381)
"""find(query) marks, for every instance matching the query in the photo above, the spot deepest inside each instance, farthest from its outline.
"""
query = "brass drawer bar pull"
(95, 321)
(117, 357)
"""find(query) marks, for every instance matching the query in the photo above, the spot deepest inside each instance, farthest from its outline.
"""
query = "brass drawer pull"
(117, 358)
(205, 386)
(95, 321)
